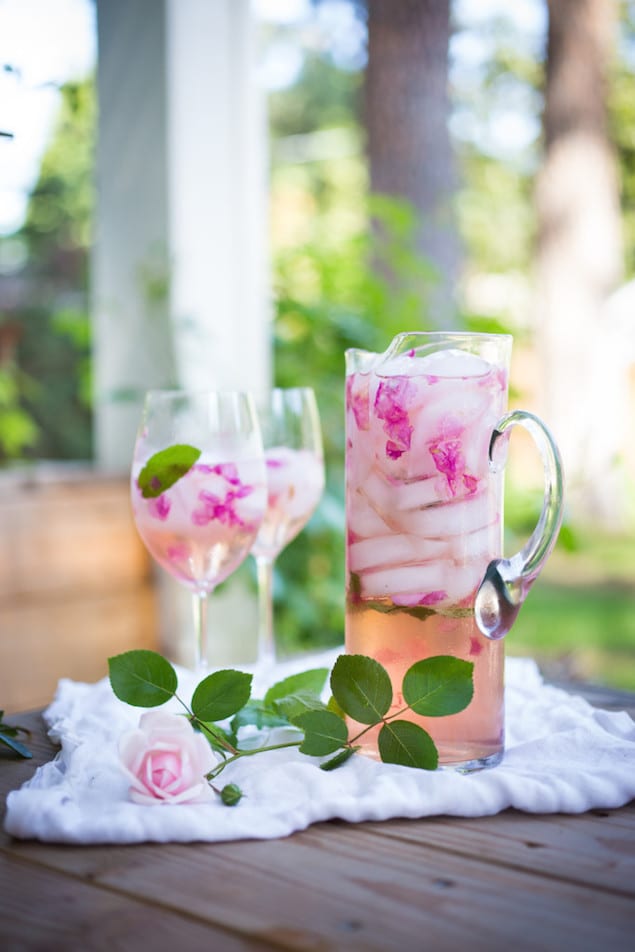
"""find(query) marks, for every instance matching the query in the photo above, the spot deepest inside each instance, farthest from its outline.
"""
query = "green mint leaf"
(339, 759)
(256, 713)
(401, 742)
(324, 732)
(421, 612)
(295, 704)
(438, 686)
(14, 745)
(361, 687)
(165, 468)
(312, 681)
(354, 587)
(231, 794)
(142, 678)
(221, 694)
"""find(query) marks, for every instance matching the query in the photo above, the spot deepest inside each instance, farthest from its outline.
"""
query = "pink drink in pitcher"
(424, 522)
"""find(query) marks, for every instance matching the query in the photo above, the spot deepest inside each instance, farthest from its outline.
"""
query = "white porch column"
(217, 196)
(180, 267)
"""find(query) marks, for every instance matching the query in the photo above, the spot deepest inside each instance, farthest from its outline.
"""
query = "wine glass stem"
(266, 640)
(200, 630)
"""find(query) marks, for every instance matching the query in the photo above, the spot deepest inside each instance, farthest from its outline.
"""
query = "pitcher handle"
(507, 581)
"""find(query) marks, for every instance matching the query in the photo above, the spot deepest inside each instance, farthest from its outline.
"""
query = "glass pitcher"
(427, 429)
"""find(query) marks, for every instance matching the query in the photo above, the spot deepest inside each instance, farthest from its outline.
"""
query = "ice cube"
(394, 550)
(384, 583)
(462, 581)
(453, 363)
(446, 520)
(362, 520)
(485, 542)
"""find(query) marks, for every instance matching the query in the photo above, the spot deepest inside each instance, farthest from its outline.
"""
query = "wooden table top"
(512, 881)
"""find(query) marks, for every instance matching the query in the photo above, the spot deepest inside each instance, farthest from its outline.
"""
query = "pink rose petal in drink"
(449, 460)
(391, 400)
(357, 400)
(418, 600)
(159, 508)
(433, 598)
(178, 551)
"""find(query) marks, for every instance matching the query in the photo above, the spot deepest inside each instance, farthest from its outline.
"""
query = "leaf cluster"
(362, 695)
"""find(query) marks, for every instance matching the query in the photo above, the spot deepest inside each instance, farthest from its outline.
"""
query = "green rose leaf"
(324, 732)
(295, 704)
(439, 686)
(8, 740)
(339, 759)
(401, 742)
(332, 705)
(142, 678)
(256, 713)
(361, 687)
(221, 694)
(165, 468)
(311, 681)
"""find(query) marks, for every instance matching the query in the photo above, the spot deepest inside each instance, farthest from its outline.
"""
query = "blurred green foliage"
(45, 377)
(621, 104)
(17, 427)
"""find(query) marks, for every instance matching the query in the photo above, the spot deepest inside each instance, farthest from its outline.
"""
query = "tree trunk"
(407, 109)
(579, 254)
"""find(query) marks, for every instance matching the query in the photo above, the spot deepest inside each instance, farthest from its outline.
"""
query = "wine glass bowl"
(198, 488)
(292, 440)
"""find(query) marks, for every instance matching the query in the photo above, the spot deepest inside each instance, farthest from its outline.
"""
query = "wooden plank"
(69, 638)
(338, 886)
(40, 909)
(598, 850)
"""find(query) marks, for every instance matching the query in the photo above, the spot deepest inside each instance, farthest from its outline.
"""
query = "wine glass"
(198, 487)
(292, 439)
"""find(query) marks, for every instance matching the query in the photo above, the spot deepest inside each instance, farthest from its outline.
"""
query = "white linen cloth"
(562, 755)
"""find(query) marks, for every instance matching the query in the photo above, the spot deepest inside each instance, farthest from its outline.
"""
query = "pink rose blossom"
(166, 760)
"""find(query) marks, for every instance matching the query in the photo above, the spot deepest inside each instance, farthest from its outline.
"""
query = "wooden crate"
(75, 580)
